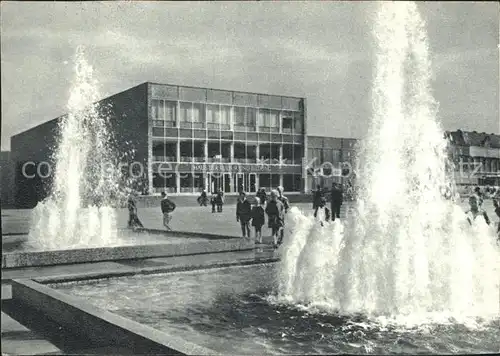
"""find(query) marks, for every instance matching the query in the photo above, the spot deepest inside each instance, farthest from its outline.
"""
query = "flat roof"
(237, 91)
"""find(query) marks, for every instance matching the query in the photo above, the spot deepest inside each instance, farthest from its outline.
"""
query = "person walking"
(336, 201)
(286, 206)
(213, 201)
(261, 194)
(276, 215)
(258, 219)
(219, 200)
(244, 214)
(203, 199)
(167, 207)
(133, 219)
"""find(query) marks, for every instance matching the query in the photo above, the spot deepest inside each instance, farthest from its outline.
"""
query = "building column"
(231, 152)
(257, 152)
(281, 154)
(257, 186)
(177, 182)
(177, 114)
(178, 156)
(281, 181)
(205, 150)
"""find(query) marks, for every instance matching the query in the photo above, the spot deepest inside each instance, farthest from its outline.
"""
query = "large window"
(186, 182)
(251, 117)
(163, 110)
(239, 116)
(213, 114)
(185, 112)
(274, 120)
(287, 122)
(225, 117)
(199, 114)
(298, 127)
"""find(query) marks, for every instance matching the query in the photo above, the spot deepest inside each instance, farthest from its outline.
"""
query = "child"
(167, 207)
(276, 215)
(258, 219)
(244, 214)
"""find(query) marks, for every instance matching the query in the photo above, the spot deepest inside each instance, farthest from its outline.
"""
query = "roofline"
(237, 91)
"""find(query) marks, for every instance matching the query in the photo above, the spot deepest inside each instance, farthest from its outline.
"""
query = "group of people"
(476, 208)
(275, 209)
(167, 207)
(336, 200)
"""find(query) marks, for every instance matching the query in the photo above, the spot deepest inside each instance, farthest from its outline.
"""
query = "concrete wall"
(128, 113)
(34, 145)
(100, 327)
(60, 257)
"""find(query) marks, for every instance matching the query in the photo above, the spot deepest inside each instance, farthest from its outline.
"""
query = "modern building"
(186, 139)
(476, 157)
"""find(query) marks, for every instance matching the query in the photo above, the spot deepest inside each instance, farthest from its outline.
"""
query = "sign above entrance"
(217, 167)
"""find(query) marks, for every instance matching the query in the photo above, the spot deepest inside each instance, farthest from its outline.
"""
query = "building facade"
(476, 157)
(185, 139)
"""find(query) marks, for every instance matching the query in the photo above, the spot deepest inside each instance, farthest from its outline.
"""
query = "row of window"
(228, 183)
(241, 117)
(191, 151)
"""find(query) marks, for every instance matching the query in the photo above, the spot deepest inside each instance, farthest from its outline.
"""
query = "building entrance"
(246, 182)
(219, 181)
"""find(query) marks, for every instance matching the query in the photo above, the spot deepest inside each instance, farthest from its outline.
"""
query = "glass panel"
(226, 135)
(251, 136)
(288, 182)
(213, 114)
(287, 122)
(297, 182)
(263, 118)
(199, 113)
(171, 132)
(185, 113)
(239, 116)
(274, 119)
(251, 117)
(158, 132)
(298, 123)
(225, 115)
(157, 109)
(170, 108)
(199, 133)
(214, 134)
(240, 136)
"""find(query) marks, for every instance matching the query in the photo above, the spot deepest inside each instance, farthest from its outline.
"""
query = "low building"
(476, 157)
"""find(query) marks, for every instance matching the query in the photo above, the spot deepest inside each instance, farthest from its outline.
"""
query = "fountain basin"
(234, 311)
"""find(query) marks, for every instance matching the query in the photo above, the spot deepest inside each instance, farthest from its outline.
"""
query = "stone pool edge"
(97, 325)
(150, 270)
(59, 257)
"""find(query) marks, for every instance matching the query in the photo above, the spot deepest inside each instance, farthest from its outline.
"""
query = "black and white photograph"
(250, 177)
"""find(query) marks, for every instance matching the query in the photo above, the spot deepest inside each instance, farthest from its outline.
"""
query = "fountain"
(79, 211)
(408, 255)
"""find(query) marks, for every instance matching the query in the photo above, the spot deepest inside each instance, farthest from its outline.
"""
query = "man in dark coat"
(336, 201)
(244, 214)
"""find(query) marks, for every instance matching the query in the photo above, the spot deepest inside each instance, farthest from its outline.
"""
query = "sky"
(320, 50)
